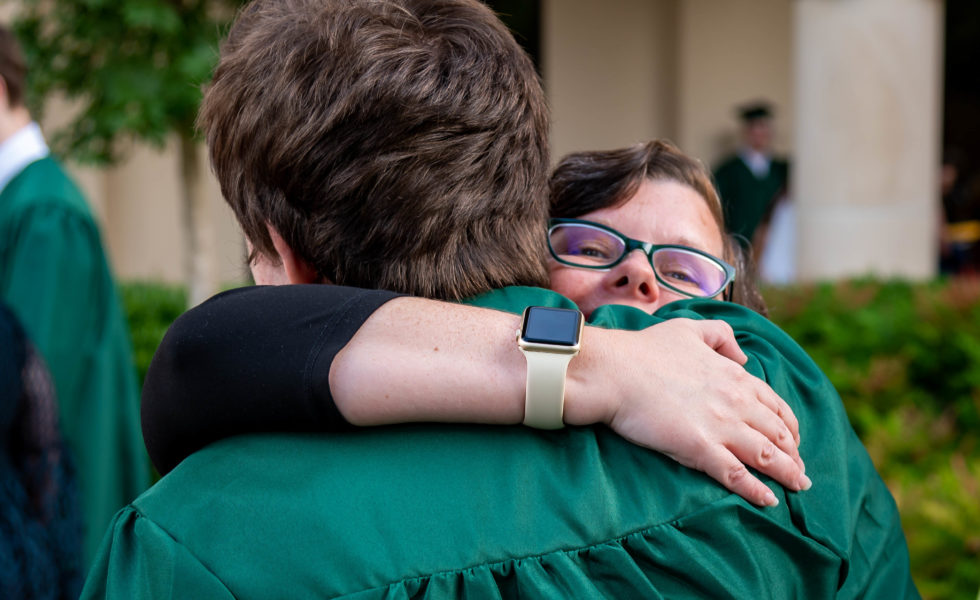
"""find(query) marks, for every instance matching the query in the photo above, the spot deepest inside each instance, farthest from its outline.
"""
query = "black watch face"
(558, 326)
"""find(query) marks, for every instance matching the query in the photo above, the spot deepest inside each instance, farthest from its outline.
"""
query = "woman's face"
(661, 212)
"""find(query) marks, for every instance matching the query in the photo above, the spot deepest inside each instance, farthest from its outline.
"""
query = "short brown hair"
(13, 69)
(588, 181)
(398, 144)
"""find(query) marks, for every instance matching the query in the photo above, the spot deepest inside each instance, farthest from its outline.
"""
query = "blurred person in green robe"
(55, 278)
(752, 180)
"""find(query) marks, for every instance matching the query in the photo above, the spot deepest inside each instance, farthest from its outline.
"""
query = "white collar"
(20, 150)
(756, 161)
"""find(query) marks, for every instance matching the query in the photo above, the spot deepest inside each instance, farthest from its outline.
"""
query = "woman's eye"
(593, 250)
(678, 275)
(681, 274)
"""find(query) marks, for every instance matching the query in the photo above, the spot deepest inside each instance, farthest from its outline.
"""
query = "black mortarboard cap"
(755, 110)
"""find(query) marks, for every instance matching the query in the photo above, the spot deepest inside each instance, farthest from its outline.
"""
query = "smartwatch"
(549, 338)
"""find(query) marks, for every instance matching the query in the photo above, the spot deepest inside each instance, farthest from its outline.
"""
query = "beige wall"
(623, 71)
(730, 52)
(144, 232)
(7, 10)
(609, 70)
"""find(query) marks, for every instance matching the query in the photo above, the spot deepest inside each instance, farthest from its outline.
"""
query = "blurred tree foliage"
(133, 69)
(906, 360)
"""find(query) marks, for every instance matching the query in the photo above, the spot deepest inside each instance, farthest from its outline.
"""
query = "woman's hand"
(679, 388)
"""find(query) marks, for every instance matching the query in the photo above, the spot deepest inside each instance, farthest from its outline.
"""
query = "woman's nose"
(634, 278)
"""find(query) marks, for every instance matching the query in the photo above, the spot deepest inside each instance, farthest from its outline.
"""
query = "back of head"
(398, 144)
(588, 181)
(13, 68)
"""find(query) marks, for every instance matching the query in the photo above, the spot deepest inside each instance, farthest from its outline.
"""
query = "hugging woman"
(402, 146)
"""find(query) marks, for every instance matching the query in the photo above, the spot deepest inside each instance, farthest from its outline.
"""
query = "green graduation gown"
(437, 511)
(746, 198)
(54, 275)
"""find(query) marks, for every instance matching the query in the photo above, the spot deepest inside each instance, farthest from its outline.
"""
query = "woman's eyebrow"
(605, 222)
(686, 241)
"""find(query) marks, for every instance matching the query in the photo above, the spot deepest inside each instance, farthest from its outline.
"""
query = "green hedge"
(150, 309)
(906, 361)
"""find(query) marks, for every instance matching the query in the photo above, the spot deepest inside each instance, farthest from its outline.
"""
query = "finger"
(759, 452)
(721, 338)
(728, 470)
(772, 425)
(776, 404)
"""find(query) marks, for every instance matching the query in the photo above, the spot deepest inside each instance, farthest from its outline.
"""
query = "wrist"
(590, 388)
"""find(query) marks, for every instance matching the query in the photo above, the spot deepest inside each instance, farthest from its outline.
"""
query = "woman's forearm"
(313, 358)
(676, 387)
(421, 360)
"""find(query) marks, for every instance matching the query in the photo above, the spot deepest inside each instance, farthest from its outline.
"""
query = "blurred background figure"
(960, 235)
(40, 530)
(55, 278)
(775, 243)
(752, 181)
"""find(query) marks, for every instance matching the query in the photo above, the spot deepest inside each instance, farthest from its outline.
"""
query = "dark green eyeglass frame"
(629, 245)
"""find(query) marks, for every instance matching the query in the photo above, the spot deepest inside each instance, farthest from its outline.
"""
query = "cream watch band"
(544, 403)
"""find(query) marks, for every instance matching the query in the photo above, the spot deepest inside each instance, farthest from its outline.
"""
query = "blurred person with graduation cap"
(751, 181)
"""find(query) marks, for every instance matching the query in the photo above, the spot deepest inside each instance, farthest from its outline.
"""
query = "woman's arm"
(262, 359)
(676, 387)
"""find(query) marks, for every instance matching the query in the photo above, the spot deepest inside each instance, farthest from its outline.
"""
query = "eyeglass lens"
(684, 270)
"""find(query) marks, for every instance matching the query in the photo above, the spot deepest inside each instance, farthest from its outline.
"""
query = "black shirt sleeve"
(254, 359)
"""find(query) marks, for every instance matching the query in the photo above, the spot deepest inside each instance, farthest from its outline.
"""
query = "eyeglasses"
(685, 270)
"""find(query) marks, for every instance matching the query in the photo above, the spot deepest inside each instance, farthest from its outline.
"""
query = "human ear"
(296, 269)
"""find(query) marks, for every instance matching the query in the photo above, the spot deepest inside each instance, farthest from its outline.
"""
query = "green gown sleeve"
(156, 567)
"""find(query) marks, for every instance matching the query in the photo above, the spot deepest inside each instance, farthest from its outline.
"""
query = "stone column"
(866, 159)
